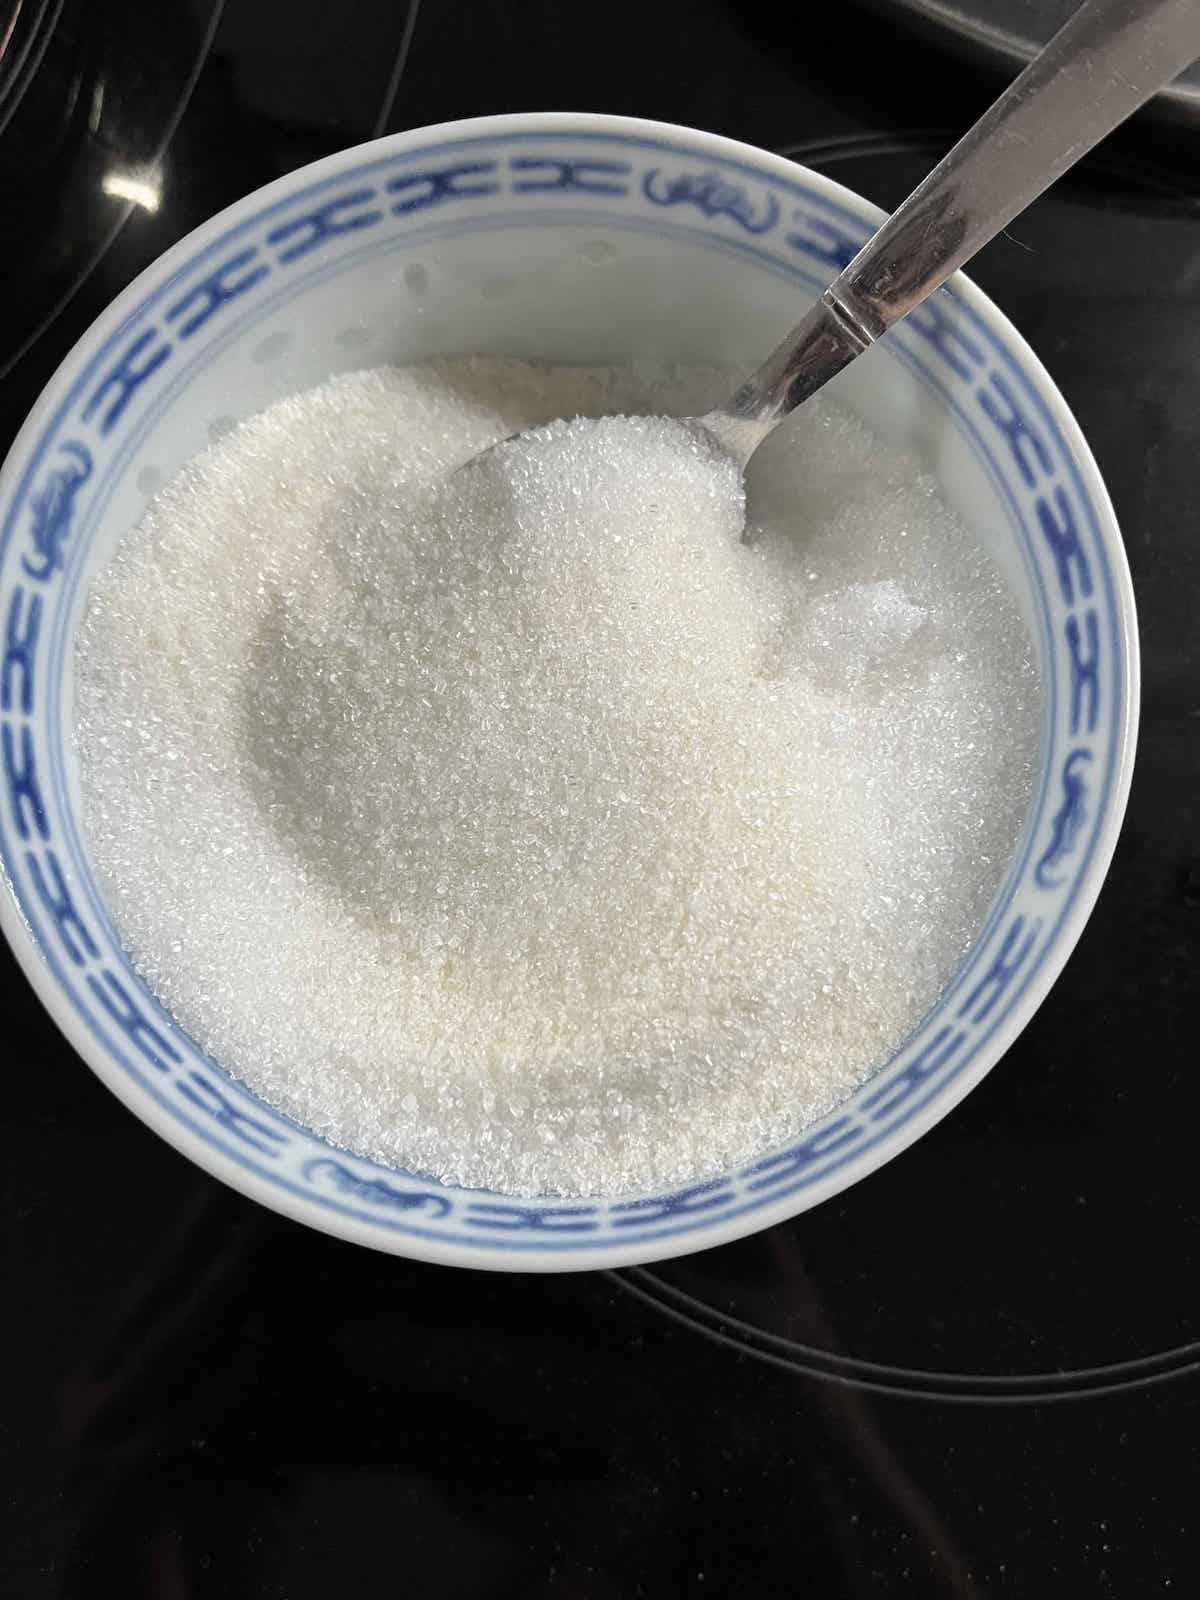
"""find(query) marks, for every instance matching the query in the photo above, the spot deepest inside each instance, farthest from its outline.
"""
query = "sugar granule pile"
(524, 826)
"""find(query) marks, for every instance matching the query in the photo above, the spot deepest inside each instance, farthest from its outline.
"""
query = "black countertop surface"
(975, 1373)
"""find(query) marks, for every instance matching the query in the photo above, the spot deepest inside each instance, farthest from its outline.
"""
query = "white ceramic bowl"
(584, 239)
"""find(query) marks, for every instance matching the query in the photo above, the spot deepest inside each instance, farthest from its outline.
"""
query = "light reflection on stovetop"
(92, 98)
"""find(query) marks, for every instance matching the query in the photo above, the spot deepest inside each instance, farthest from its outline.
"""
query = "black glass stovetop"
(977, 1372)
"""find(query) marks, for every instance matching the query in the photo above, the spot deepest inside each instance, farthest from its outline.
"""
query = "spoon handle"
(1109, 58)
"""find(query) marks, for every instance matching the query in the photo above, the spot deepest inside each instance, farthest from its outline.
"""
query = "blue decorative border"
(65, 476)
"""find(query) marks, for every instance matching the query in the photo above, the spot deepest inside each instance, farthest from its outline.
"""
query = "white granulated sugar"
(524, 826)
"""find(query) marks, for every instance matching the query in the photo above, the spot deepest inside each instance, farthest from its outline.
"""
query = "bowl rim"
(705, 1235)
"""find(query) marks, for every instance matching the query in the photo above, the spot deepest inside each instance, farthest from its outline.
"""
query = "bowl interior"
(617, 288)
(588, 241)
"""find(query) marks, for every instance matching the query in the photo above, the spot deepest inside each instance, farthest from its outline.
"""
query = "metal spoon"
(1098, 69)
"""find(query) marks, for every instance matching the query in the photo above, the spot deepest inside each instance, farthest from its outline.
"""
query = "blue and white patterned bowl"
(583, 238)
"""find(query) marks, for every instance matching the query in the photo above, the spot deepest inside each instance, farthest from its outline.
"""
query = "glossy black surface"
(973, 1374)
